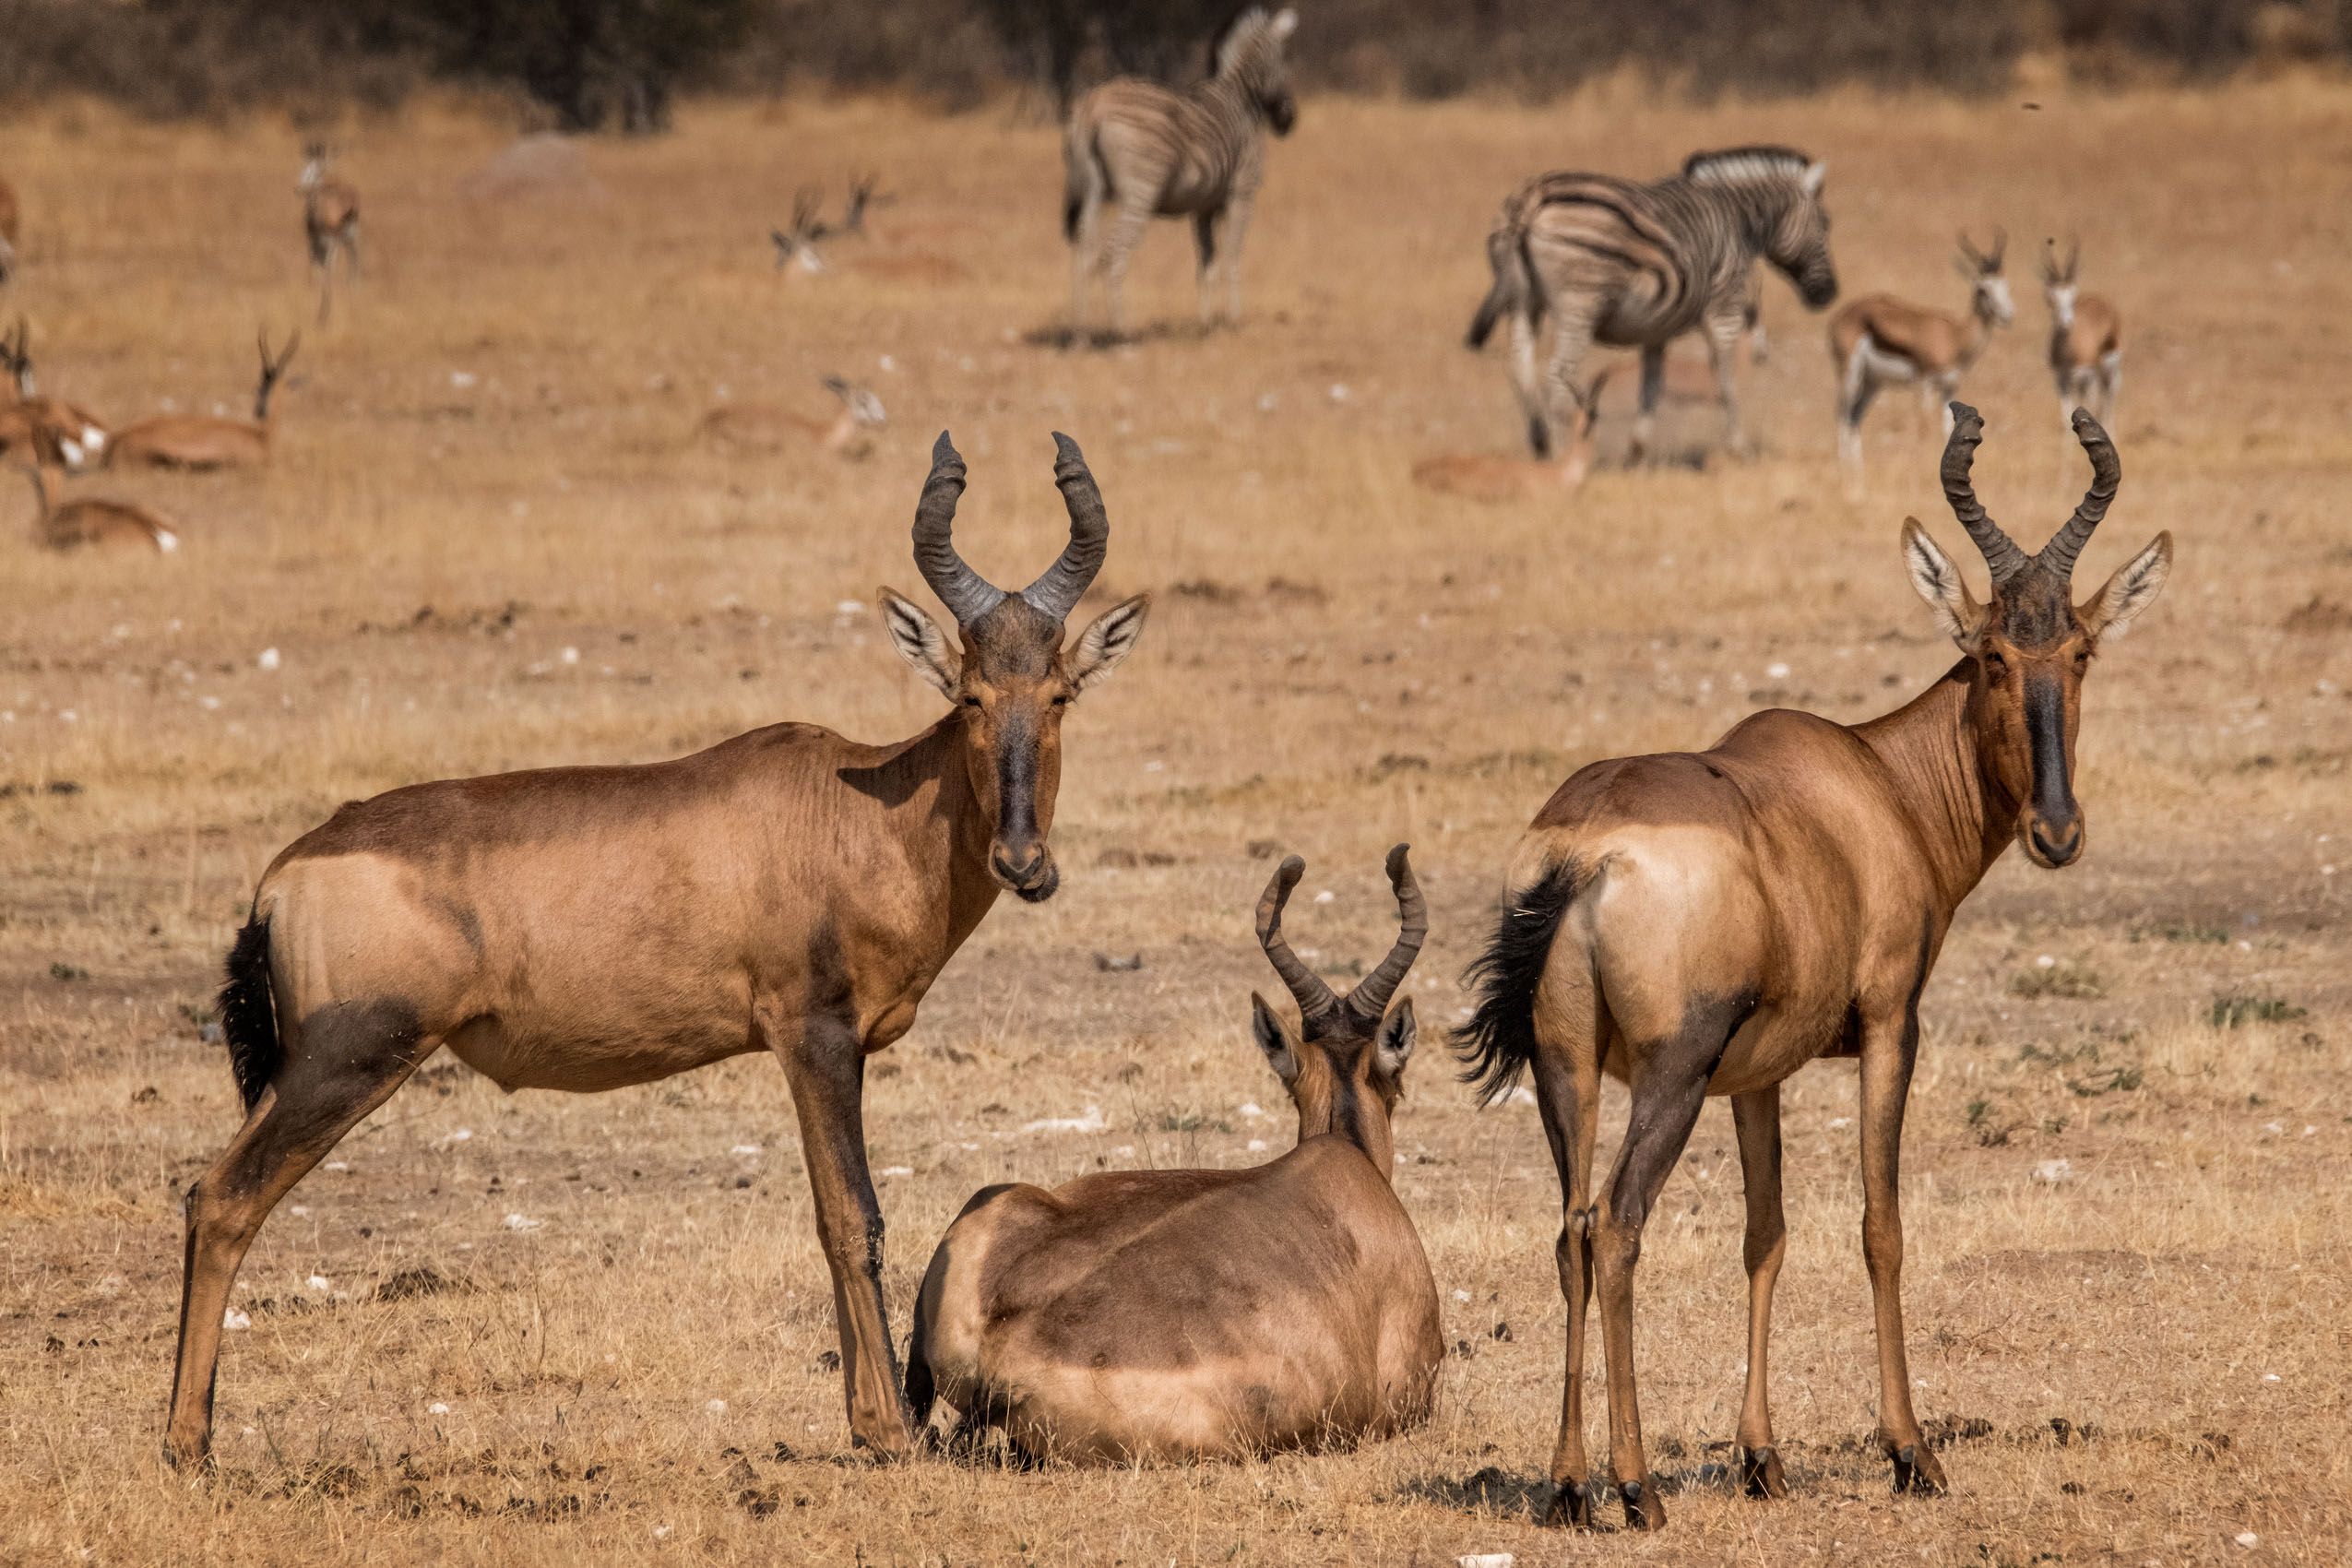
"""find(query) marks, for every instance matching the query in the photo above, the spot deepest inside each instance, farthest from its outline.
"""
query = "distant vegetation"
(589, 65)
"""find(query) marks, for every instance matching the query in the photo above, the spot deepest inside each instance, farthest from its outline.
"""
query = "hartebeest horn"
(1064, 583)
(2002, 557)
(1370, 1000)
(1314, 997)
(967, 594)
(2106, 476)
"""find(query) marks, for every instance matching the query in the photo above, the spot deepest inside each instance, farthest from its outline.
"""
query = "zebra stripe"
(1199, 153)
(1626, 264)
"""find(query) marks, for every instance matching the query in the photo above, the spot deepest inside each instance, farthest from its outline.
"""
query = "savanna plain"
(552, 1328)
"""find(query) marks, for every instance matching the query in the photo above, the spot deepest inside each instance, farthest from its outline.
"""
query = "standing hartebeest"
(330, 222)
(2086, 336)
(203, 441)
(590, 928)
(1880, 341)
(1706, 923)
(1203, 1314)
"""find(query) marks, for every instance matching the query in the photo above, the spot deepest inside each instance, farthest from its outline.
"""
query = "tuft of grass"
(2071, 981)
(2229, 1011)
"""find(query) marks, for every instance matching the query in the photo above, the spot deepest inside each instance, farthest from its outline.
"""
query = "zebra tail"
(1080, 176)
(1512, 289)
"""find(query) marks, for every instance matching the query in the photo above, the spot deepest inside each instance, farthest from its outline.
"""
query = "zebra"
(1629, 265)
(1198, 154)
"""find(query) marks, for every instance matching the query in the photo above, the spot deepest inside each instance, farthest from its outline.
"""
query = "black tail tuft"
(1500, 1039)
(249, 1015)
(1490, 310)
(1070, 206)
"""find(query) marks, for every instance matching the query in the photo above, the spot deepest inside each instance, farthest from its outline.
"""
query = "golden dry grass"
(1336, 661)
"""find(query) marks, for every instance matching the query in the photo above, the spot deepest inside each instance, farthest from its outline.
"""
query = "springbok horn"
(1370, 1000)
(967, 594)
(2002, 557)
(1064, 583)
(2107, 475)
(1314, 998)
(2000, 249)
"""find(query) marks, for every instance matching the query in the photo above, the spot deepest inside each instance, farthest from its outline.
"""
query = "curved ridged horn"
(1064, 583)
(2106, 476)
(1370, 1000)
(1307, 988)
(2002, 557)
(967, 594)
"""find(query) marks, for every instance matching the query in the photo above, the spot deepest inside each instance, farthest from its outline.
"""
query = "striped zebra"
(1627, 264)
(1198, 154)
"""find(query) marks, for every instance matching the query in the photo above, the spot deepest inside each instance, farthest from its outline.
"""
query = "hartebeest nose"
(2057, 843)
(1027, 870)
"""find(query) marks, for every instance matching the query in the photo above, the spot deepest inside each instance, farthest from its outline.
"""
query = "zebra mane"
(1745, 163)
(1250, 31)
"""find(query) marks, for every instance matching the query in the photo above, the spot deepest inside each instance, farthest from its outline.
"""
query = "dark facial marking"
(2046, 732)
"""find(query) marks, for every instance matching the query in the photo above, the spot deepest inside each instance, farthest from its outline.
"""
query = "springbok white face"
(2061, 302)
(865, 409)
(1993, 300)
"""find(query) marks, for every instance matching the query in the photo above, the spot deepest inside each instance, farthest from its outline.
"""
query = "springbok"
(797, 254)
(96, 523)
(796, 251)
(1705, 924)
(759, 427)
(330, 222)
(78, 436)
(202, 442)
(8, 222)
(1208, 1314)
(590, 928)
(1491, 478)
(1880, 340)
(2085, 336)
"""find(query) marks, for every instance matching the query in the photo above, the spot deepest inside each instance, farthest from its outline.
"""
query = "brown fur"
(1199, 1314)
(1720, 919)
(96, 523)
(199, 442)
(65, 433)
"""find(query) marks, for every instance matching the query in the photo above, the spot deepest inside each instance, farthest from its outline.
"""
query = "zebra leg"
(1237, 225)
(1523, 379)
(1086, 243)
(1205, 242)
(1125, 233)
(1653, 385)
(1724, 337)
(1571, 338)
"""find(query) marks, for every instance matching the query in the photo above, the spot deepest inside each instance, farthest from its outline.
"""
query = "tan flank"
(590, 928)
(1209, 1314)
(201, 442)
(96, 523)
(1698, 924)
(1493, 478)
(1880, 341)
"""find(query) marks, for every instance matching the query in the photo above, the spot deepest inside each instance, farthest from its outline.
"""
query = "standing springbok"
(202, 442)
(2085, 336)
(1157, 153)
(1209, 1314)
(1880, 340)
(78, 436)
(1624, 264)
(330, 223)
(8, 222)
(760, 427)
(1705, 924)
(590, 928)
(95, 522)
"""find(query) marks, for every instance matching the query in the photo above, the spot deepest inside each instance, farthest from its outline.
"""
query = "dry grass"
(1338, 661)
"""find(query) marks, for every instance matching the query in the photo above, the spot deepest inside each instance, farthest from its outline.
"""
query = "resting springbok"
(1706, 923)
(78, 436)
(95, 522)
(759, 427)
(1491, 478)
(202, 442)
(330, 222)
(1880, 340)
(590, 928)
(2085, 336)
(1208, 1314)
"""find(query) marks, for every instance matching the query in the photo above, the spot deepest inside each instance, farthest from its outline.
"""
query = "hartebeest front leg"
(1889, 1047)
(1568, 1092)
(825, 1063)
(1756, 1116)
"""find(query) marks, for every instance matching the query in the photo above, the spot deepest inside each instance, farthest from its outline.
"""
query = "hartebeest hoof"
(1760, 1472)
(1572, 1506)
(1644, 1510)
(1915, 1470)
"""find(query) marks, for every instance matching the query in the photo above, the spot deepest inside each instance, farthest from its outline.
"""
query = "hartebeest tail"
(1700, 924)
(1200, 1314)
(589, 928)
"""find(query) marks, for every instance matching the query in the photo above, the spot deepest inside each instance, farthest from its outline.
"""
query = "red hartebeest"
(1706, 923)
(202, 442)
(1209, 1314)
(589, 928)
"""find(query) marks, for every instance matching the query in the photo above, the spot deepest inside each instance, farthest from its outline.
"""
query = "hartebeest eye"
(2082, 660)
(1060, 699)
(971, 702)
(1996, 667)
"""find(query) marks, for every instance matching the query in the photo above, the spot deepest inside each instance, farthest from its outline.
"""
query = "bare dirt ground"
(564, 1329)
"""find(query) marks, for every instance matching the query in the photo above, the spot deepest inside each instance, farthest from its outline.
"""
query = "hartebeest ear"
(1274, 1038)
(2132, 590)
(1393, 1045)
(1285, 23)
(920, 642)
(1939, 582)
(1111, 638)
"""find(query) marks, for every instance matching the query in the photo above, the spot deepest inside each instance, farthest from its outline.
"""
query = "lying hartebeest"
(1206, 1314)
(93, 521)
(69, 431)
(330, 223)
(2086, 336)
(201, 441)
(589, 928)
(1705, 924)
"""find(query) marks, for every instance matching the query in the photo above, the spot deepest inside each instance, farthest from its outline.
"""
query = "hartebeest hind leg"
(1889, 1047)
(1568, 1093)
(341, 1061)
(1756, 1117)
(825, 1063)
